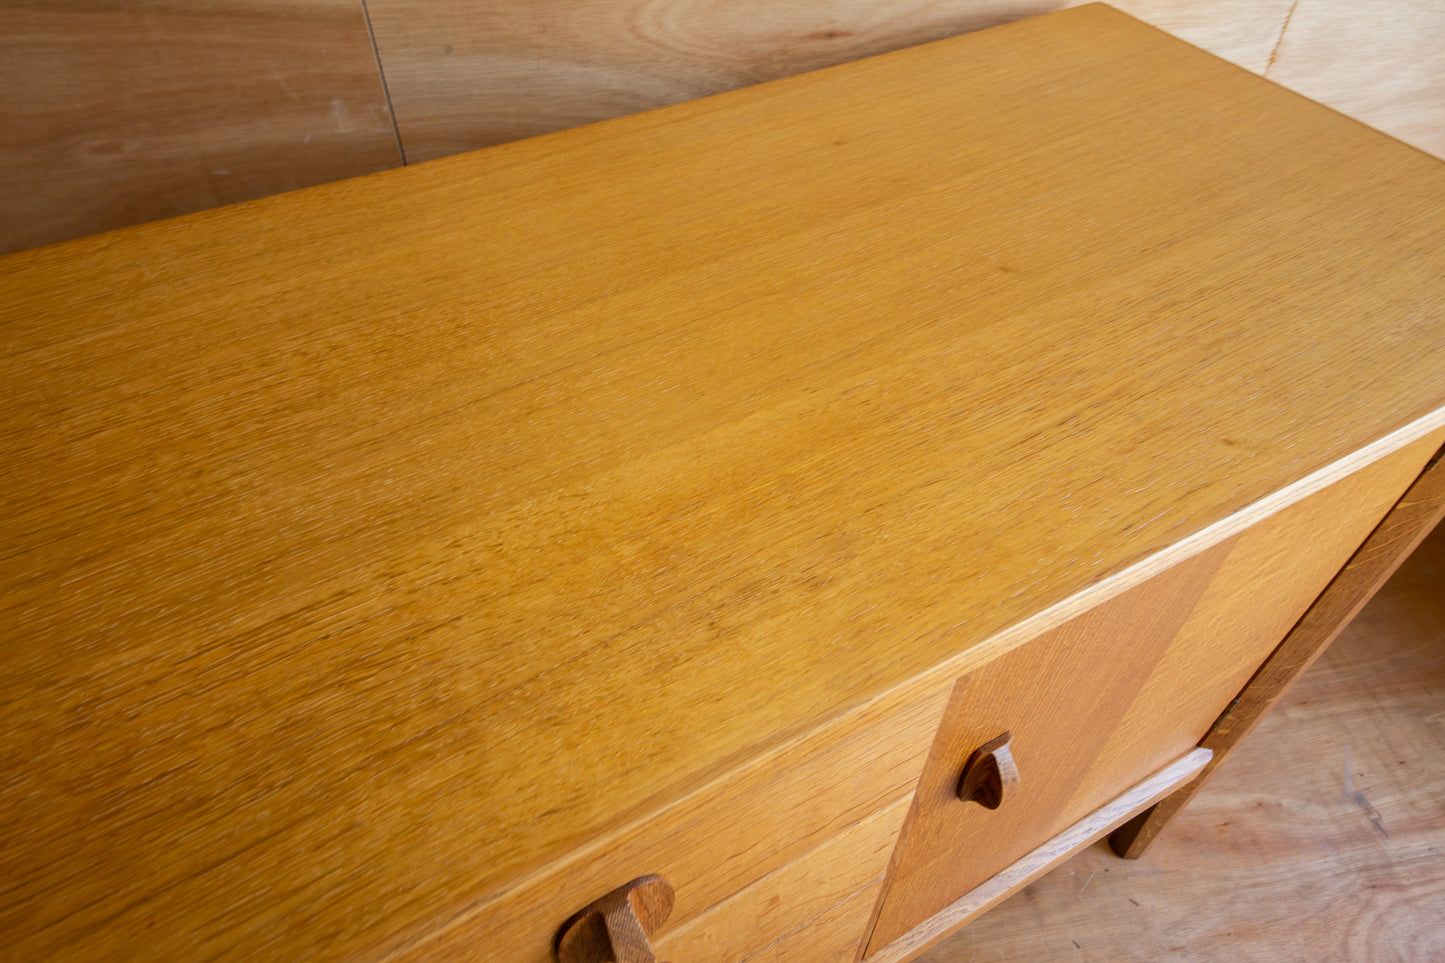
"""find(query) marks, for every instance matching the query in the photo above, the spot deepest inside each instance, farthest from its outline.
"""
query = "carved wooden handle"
(617, 928)
(990, 774)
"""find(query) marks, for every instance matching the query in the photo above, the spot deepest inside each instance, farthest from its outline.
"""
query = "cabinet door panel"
(1098, 703)
(1274, 571)
(1060, 696)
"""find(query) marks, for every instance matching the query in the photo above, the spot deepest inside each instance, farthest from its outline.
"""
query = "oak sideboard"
(773, 527)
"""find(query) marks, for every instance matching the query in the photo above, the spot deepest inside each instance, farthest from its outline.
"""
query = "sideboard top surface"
(365, 545)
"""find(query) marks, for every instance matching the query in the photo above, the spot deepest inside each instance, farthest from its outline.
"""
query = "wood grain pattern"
(765, 820)
(618, 927)
(1273, 573)
(465, 74)
(831, 937)
(1384, 65)
(1244, 32)
(1416, 514)
(1030, 867)
(791, 897)
(1061, 696)
(1124, 689)
(268, 98)
(122, 111)
(1330, 813)
(394, 537)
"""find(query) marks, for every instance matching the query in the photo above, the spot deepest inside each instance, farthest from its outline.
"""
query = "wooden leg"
(1397, 535)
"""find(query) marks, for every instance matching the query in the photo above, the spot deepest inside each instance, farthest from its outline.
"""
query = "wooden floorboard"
(1322, 838)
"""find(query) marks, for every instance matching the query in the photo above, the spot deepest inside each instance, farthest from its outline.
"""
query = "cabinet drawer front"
(803, 895)
(830, 938)
(719, 841)
(1098, 703)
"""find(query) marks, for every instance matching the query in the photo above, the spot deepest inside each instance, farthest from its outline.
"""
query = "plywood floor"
(1323, 838)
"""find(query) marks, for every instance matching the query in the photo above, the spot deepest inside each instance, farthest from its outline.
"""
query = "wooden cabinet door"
(1102, 701)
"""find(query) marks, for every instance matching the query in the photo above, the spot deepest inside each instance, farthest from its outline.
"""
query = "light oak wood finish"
(465, 74)
(1274, 572)
(1060, 696)
(1319, 839)
(407, 538)
(1121, 691)
(123, 111)
(832, 937)
(793, 897)
(1021, 873)
(718, 842)
(1418, 511)
(724, 834)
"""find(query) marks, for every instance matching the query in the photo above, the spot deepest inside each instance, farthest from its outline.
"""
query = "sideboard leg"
(1397, 535)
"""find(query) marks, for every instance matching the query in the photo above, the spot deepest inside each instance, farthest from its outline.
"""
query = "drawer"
(831, 937)
(816, 905)
(822, 804)
(1097, 704)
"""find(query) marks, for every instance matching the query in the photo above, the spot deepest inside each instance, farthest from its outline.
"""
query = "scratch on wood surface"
(1371, 813)
(1360, 799)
